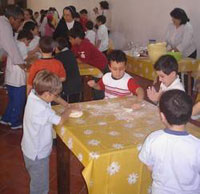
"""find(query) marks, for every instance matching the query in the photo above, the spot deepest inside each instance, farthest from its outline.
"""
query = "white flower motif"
(114, 133)
(70, 143)
(88, 132)
(102, 123)
(117, 146)
(138, 135)
(94, 142)
(113, 168)
(94, 155)
(80, 157)
(128, 125)
(132, 178)
(62, 131)
(80, 121)
(139, 147)
(149, 190)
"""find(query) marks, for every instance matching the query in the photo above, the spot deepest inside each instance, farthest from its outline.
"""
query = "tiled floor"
(14, 178)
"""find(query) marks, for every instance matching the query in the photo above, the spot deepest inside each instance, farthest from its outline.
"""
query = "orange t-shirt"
(50, 64)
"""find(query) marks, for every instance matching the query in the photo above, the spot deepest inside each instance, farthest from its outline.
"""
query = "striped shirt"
(126, 86)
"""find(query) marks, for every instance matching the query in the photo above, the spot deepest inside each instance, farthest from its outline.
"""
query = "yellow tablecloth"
(107, 140)
(143, 67)
(86, 69)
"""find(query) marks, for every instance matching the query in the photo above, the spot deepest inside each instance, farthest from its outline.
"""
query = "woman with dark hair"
(67, 22)
(179, 36)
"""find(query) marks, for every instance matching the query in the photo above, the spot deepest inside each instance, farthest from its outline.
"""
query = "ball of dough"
(76, 114)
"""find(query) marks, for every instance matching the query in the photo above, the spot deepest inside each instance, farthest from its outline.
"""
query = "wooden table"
(107, 140)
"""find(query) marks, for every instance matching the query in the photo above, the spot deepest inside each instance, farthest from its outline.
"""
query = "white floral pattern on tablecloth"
(132, 178)
(94, 142)
(70, 143)
(118, 146)
(80, 157)
(94, 155)
(113, 168)
(88, 132)
(113, 133)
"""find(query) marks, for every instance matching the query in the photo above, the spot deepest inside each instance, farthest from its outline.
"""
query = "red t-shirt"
(50, 64)
(89, 54)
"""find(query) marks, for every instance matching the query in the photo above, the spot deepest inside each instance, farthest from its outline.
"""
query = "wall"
(135, 20)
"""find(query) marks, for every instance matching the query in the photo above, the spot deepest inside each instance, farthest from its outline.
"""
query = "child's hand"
(152, 94)
(91, 83)
(137, 106)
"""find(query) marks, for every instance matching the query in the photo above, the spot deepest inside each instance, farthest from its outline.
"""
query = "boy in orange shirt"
(46, 62)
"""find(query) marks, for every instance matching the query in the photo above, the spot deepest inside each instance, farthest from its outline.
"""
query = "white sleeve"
(187, 38)
(8, 43)
(24, 51)
(46, 116)
(167, 37)
(100, 34)
(145, 154)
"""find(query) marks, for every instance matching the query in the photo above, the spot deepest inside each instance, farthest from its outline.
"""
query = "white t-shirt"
(91, 36)
(34, 43)
(14, 75)
(102, 35)
(175, 85)
(37, 127)
(181, 38)
(175, 161)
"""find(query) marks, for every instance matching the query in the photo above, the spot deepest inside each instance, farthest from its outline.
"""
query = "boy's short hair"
(29, 26)
(75, 33)
(176, 105)
(118, 56)
(25, 34)
(89, 25)
(61, 43)
(83, 11)
(166, 64)
(46, 81)
(46, 44)
(101, 19)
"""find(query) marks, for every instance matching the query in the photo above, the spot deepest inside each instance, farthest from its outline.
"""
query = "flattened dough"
(76, 114)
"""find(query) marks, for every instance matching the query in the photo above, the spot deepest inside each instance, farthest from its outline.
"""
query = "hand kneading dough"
(76, 114)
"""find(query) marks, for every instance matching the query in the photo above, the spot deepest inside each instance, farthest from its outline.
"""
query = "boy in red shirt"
(47, 62)
(83, 18)
(85, 51)
(118, 83)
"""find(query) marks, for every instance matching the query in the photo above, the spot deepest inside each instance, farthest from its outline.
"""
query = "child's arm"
(64, 116)
(61, 101)
(94, 85)
(196, 109)
(153, 95)
(140, 94)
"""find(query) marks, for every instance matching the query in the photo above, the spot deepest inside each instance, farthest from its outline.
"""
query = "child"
(102, 34)
(173, 154)
(34, 44)
(166, 68)
(72, 85)
(85, 51)
(90, 33)
(47, 62)
(39, 119)
(83, 18)
(118, 83)
(15, 81)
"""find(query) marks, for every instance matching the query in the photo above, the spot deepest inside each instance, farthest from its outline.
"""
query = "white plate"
(76, 114)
